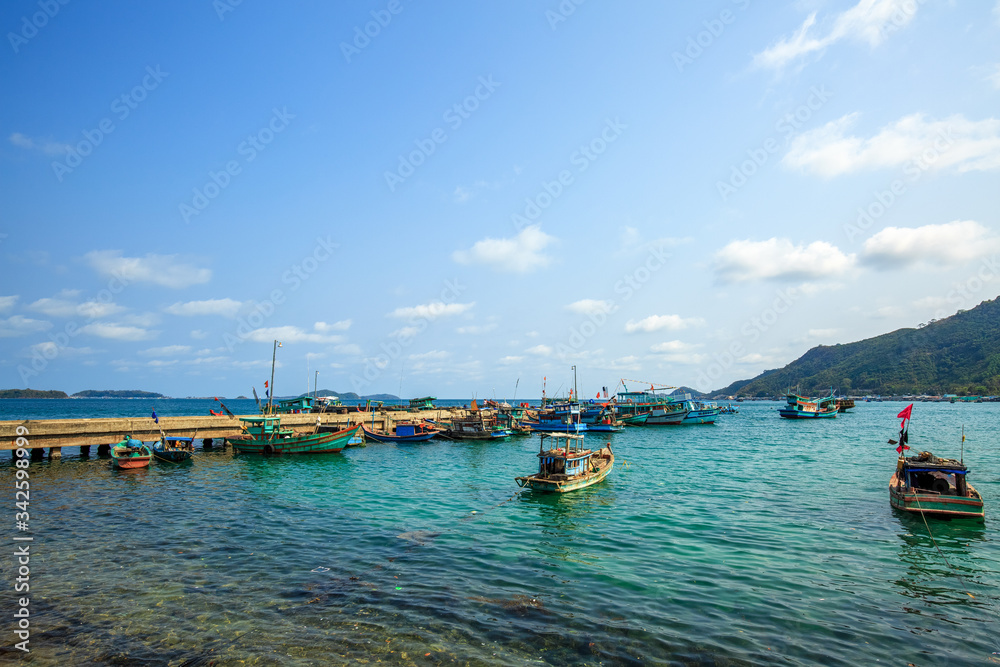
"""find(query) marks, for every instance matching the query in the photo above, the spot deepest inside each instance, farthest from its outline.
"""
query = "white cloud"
(47, 147)
(291, 334)
(591, 307)
(476, 329)
(914, 141)
(936, 246)
(7, 302)
(198, 334)
(660, 322)
(779, 259)
(57, 307)
(117, 331)
(822, 333)
(931, 302)
(159, 363)
(868, 21)
(541, 350)
(431, 311)
(18, 325)
(674, 346)
(166, 351)
(165, 270)
(323, 327)
(511, 359)
(520, 254)
(225, 307)
(433, 354)
(349, 349)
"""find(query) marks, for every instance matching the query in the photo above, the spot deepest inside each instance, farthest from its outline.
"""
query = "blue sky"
(453, 199)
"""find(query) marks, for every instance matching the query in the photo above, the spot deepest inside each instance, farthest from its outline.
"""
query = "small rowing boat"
(130, 454)
(173, 450)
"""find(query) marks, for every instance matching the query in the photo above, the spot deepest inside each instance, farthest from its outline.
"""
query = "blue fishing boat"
(566, 465)
(173, 450)
(403, 432)
(801, 407)
(560, 418)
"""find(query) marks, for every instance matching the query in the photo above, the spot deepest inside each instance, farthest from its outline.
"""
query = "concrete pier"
(54, 434)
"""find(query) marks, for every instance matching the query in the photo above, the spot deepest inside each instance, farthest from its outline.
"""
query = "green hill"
(31, 393)
(116, 393)
(958, 354)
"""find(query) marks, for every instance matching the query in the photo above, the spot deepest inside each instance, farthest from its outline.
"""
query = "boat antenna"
(274, 356)
(515, 390)
(962, 461)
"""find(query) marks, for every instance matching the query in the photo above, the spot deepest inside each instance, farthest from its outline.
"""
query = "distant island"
(116, 393)
(349, 396)
(31, 393)
(954, 355)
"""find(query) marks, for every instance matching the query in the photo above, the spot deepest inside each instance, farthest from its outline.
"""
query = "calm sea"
(753, 541)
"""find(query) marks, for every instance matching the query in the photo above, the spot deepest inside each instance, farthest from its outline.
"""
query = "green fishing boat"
(265, 435)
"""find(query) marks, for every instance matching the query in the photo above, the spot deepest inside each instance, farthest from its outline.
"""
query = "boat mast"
(574, 385)
(274, 355)
(315, 384)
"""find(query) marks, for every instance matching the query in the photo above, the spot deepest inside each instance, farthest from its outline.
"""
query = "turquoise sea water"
(753, 541)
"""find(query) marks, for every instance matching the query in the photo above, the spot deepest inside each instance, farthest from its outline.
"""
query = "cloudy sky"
(452, 200)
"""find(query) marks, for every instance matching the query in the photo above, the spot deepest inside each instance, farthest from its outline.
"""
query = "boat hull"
(557, 427)
(798, 414)
(382, 437)
(131, 463)
(172, 455)
(311, 443)
(910, 500)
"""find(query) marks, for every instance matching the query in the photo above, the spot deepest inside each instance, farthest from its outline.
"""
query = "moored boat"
(130, 454)
(928, 485)
(173, 450)
(560, 418)
(844, 404)
(478, 426)
(566, 465)
(637, 419)
(265, 435)
(403, 432)
(802, 407)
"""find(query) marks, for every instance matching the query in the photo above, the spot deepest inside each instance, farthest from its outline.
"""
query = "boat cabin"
(930, 474)
(423, 403)
(566, 456)
(295, 405)
(265, 427)
(405, 429)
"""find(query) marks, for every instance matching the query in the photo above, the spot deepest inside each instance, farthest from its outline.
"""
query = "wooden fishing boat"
(802, 407)
(479, 426)
(264, 435)
(928, 485)
(844, 404)
(403, 432)
(934, 486)
(173, 450)
(130, 454)
(566, 465)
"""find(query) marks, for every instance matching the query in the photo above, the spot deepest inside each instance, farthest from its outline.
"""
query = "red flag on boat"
(905, 413)
(901, 448)
(598, 395)
(265, 384)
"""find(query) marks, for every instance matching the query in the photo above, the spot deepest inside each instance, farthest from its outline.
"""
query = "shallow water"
(756, 540)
